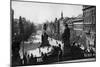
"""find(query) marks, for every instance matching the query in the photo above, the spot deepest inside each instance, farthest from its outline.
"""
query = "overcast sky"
(41, 12)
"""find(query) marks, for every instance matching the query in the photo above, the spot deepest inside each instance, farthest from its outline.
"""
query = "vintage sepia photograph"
(51, 33)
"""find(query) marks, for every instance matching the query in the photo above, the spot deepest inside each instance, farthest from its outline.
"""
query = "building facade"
(78, 26)
(89, 21)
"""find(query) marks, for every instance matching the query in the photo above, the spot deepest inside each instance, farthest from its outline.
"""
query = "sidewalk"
(79, 60)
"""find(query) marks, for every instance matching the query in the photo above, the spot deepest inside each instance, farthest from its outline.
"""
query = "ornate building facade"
(89, 20)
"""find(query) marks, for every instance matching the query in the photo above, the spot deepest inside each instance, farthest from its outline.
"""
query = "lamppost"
(22, 34)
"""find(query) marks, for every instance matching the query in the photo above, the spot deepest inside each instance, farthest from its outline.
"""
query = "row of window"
(90, 16)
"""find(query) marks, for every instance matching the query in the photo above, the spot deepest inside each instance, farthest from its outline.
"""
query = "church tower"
(61, 15)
